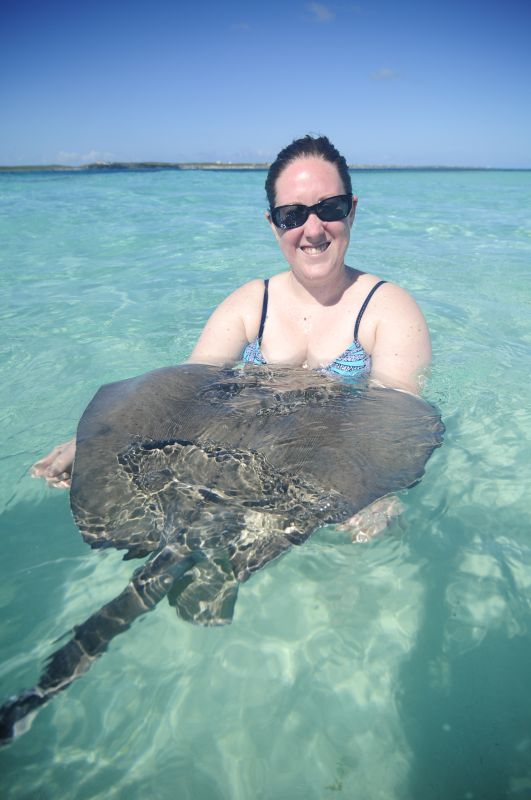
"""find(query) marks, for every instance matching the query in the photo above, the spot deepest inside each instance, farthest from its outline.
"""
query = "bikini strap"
(264, 311)
(364, 306)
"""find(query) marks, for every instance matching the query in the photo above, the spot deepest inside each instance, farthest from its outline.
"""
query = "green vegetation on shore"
(135, 165)
(115, 166)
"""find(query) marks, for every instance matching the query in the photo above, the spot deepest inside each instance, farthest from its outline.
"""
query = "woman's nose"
(313, 225)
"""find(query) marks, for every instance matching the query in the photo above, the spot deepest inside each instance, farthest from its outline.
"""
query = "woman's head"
(307, 146)
(312, 218)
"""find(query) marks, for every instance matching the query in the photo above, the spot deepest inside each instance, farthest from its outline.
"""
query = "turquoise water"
(394, 669)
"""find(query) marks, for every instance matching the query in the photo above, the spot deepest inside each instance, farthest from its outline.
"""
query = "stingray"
(210, 474)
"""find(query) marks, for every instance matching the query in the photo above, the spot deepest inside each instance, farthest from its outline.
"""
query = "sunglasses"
(331, 209)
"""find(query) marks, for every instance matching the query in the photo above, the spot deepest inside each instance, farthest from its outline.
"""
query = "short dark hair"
(319, 146)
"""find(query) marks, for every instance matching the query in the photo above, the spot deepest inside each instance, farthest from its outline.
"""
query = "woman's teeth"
(314, 251)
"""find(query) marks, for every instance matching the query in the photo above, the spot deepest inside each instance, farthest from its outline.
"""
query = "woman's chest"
(306, 338)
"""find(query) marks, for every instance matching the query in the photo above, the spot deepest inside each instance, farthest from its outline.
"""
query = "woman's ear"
(352, 213)
(273, 226)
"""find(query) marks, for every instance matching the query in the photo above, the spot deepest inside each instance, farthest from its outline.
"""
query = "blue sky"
(445, 83)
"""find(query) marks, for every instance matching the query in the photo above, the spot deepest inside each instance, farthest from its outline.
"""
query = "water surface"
(394, 669)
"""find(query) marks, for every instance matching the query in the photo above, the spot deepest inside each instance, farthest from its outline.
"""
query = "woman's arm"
(402, 348)
(226, 333)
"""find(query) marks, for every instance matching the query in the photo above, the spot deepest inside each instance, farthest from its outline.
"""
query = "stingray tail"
(150, 584)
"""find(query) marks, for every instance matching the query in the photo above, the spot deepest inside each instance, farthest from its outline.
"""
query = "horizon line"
(230, 165)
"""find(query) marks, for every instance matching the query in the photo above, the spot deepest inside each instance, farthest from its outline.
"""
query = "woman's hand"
(374, 518)
(56, 467)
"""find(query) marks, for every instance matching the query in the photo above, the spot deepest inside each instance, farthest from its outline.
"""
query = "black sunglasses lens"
(287, 217)
(334, 208)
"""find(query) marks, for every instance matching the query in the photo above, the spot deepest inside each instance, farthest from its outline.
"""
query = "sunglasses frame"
(307, 210)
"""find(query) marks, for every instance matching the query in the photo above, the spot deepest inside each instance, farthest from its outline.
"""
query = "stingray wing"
(108, 500)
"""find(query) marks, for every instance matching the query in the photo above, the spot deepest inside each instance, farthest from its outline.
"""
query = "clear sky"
(389, 81)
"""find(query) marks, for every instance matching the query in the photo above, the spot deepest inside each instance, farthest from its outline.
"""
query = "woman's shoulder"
(386, 296)
(390, 309)
(249, 296)
(246, 293)
(231, 325)
(243, 304)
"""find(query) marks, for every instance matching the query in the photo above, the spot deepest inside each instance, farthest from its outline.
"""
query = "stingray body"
(212, 473)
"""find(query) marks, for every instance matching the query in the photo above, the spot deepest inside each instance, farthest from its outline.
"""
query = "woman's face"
(316, 250)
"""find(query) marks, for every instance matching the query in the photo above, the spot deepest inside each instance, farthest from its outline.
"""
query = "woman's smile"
(314, 249)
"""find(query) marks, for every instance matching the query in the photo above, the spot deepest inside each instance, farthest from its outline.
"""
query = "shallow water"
(393, 669)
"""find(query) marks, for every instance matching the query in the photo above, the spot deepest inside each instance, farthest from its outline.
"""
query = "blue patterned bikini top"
(353, 362)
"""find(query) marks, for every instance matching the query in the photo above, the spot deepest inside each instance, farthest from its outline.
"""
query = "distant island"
(116, 166)
(104, 166)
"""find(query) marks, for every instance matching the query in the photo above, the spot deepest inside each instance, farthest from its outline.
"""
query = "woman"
(321, 313)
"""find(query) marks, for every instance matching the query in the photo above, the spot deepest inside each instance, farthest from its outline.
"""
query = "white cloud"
(96, 155)
(320, 13)
(241, 26)
(66, 157)
(384, 74)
